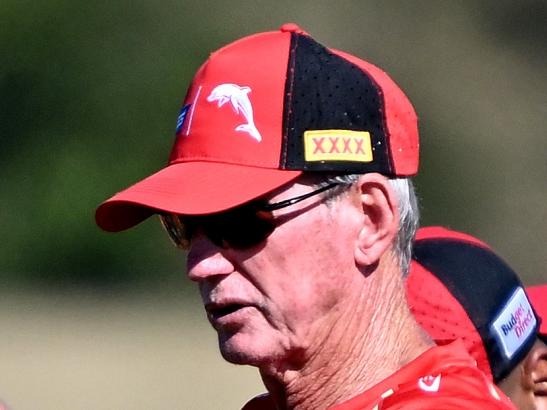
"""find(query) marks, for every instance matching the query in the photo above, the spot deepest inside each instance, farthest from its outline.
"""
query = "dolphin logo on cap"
(239, 99)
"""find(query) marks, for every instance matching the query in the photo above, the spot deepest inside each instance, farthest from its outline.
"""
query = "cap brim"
(538, 297)
(190, 188)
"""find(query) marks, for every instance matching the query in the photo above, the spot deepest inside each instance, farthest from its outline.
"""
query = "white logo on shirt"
(430, 383)
(239, 99)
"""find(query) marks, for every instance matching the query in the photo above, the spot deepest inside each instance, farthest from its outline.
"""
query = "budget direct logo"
(519, 322)
(515, 323)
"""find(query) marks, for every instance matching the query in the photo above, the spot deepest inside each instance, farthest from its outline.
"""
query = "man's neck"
(371, 340)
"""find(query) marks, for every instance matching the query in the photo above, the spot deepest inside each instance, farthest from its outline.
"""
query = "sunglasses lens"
(177, 231)
(248, 229)
(239, 229)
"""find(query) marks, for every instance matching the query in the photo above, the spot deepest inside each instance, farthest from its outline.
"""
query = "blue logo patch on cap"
(182, 117)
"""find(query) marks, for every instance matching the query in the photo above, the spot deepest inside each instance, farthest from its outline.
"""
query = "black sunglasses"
(238, 228)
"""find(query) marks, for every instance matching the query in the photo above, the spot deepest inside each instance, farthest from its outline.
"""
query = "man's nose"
(205, 260)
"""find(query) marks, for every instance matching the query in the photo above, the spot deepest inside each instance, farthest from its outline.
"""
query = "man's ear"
(379, 205)
(535, 371)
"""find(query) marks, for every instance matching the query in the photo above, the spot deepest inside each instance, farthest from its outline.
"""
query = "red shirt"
(442, 378)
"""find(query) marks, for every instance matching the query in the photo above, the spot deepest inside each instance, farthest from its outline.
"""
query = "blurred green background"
(89, 95)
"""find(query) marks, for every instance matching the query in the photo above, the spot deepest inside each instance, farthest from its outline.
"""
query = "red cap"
(458, 288)
(262, 110)
(538, 296)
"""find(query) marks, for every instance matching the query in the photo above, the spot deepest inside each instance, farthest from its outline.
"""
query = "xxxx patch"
(337, 145)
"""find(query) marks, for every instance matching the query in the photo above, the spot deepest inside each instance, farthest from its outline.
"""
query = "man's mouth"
(218, 311)
(221, 311)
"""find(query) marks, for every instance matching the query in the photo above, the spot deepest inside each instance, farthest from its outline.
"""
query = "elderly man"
(289, 186)
(458, 288)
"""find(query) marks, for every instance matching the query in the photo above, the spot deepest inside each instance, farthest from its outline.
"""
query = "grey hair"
(409, 213)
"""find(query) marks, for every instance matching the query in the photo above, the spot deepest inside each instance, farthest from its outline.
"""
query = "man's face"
(277, 301)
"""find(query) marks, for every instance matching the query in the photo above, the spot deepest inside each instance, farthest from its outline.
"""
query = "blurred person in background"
(289, 186)
(458, 288)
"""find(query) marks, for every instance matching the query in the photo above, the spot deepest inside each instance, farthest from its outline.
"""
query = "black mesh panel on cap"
(326, 92)
(482, 283)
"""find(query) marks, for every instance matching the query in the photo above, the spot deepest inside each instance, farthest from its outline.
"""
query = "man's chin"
(238, 357)
(245, 352)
